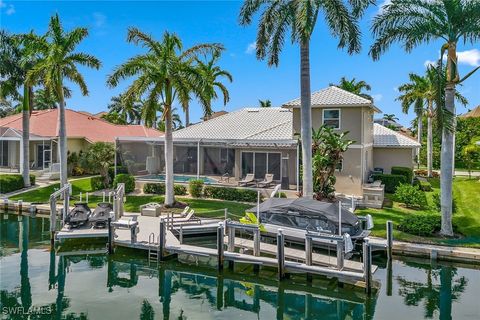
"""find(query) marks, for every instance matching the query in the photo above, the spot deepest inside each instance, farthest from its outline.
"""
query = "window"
(331, 118)
(339, 167)
(261, 163)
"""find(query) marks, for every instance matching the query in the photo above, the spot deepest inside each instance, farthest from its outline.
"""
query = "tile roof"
(332, 96)
(384, 137)
(244, 124)
(475, 113)
(79, 125)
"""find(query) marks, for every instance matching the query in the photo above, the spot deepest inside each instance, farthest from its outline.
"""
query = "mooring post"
(66, 204)
(86, 197)
(340, 254)
(389, 239)
(53, 219)
(281, 254)
(339, 218)
(5, 204)
(133, 234)
(353, 203)
(161, 242)
(308, 255)
(367, 265)
(19, 207)
(180, 237)
(220, 236)
(231, 239)
(80, 197)
(109, 197)
(103, 196)
(256, 242)
(226, 214)
(110, 235)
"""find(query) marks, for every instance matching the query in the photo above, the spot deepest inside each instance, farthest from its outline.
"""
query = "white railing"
(65, 192)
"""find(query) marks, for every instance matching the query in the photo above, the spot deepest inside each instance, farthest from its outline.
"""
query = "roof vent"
(252, 109)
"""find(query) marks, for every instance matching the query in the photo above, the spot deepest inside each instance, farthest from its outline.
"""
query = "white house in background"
(265, 140)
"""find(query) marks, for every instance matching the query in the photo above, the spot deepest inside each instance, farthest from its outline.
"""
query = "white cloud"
(9, 8)
(377, 97)
(429, 63)
(470, 57)
(99, 19)
(251, 48)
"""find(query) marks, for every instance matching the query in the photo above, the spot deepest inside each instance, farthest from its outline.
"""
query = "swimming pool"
(177, 178)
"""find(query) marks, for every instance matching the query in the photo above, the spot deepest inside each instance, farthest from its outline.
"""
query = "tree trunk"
(187, 116)
(169, 195)
(62, 137)
(26, 135)
(419, 135)
(446, 158)
(429, 139)
(306, 118)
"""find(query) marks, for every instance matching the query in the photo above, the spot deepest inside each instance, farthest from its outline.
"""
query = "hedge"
(97, 183)
(128, 179)
(422, 185)
(391, 181)
(411, 196)
(420, 224)
(195, 188)
(230, 194)
(13, 182)
(159, 188)
(404, 171)
(111, 171)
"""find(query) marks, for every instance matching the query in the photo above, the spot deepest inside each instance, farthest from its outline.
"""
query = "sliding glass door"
(261, 163)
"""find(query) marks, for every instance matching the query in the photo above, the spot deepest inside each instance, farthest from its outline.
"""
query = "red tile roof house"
(82, 130)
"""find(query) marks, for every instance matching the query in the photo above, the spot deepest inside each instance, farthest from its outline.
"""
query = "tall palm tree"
(415, 22)
(354, 86)
(265, 103)
(280, 19)
(211, 73)
(44, 100)
(165, 73)
(130, 112)
(176, 120)
(59, 60)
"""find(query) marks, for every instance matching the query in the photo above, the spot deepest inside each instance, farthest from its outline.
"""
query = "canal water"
(37, 283)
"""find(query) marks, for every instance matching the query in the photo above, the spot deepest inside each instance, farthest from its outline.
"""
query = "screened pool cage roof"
(289, 143)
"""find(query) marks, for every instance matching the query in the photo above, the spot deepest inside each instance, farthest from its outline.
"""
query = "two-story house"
(266, 140)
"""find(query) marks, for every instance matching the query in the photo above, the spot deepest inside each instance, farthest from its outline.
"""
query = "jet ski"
(78, 216)
(99, 217)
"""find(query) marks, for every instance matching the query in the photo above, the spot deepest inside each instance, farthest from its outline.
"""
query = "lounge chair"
(151, 209)
(267, 181)
(189, 218)
(249, 179)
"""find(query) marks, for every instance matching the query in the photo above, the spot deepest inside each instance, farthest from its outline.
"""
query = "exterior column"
(298, 167)
(198, 159)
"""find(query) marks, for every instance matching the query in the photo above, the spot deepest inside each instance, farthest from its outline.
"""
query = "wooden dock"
(86, 231)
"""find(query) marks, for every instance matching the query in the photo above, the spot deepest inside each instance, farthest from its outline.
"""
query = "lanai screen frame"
(226, 143)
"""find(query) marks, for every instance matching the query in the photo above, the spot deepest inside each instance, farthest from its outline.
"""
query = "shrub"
(391, 181)
(128, 179)
(424, 173)
(437, 205)
(98, 158)
(159, 188)
(97, 183)
(13, 182)
(420, 224)
(404, 171)
(120, 169)
(422, 185)
(195, 188)
(230, 194)
(411, 196)
(78, 171)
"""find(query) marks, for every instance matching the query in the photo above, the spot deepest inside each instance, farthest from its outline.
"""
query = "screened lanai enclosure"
(214, 161)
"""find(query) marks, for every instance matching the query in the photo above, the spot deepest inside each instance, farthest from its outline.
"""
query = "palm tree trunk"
(429, 140)
(169, 195)
(187, 116)
(306, 118)
(62, 137)
(26, 135)
(419, 135)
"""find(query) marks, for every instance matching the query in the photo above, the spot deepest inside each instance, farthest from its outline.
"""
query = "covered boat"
(310, 215)
(78, 216)
(99, 217)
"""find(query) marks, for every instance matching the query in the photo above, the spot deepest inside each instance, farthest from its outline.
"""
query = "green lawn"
(203, 207)
(466, 219)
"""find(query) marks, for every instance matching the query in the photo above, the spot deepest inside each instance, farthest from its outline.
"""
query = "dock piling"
(86, 197)
(256, 243)
(103, 196)
(19, 207)
(110, 235)
(367, 265)
(281, 254)
(220, 236)
(308, 255)
(5, 204)
(389, 239)
(80, 197)
(162, 238)
(226, 213)
(180, 237)
(340, 254)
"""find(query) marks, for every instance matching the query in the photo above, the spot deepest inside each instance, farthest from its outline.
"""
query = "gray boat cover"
(306, 207)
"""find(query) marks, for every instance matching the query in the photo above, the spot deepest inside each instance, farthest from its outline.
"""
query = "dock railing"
(118, 196)
(65, 192)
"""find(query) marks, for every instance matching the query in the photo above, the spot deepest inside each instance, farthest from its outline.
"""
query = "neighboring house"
(265, 140)
(82, 130)
(475, 113)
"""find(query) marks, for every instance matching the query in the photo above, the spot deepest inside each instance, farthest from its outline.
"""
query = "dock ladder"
(153, 249)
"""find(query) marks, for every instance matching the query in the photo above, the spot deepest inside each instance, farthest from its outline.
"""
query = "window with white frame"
(331, 118)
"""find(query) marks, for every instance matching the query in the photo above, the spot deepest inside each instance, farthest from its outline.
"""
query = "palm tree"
(176, 120)
(210, 73)
(58, 61)
(44, 100)
(299, 19)
(354, 86)
(129, 112)
(265, 103)
(390, 117)
(414, 22)
(165, 74)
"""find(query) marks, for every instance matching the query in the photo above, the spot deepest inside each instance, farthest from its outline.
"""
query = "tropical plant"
(327, 152)
(210, 73)
(44, 100)
(130, 112)
(265, 103)
(390, 117)
(165, 73)
(251, 218)
(297, 19)
(59, 60)
(98, 157)
(354, 86)
(471, 154)
(176, 120)
(114, 117)
(414, 22)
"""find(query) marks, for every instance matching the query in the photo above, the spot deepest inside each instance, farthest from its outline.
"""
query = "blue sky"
(217, 21)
